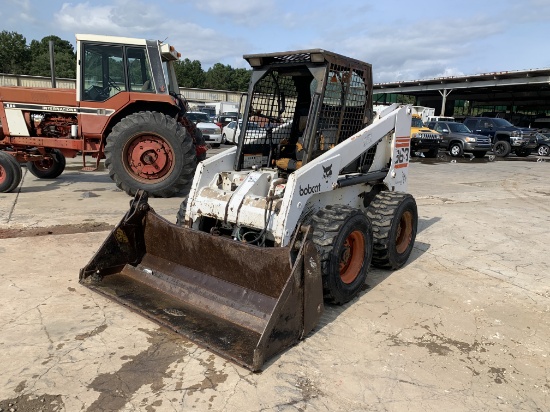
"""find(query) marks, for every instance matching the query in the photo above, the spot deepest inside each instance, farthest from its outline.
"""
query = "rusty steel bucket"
(244, 302)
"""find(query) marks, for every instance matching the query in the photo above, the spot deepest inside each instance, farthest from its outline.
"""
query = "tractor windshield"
(110, 69)
(102, 71)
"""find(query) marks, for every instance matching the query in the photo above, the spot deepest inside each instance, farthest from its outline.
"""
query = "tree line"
(18, 57)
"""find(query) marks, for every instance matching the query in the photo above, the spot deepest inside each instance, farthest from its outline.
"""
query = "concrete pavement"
(464, 326)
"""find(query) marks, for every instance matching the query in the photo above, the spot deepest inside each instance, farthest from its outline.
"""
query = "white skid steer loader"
(290, 218)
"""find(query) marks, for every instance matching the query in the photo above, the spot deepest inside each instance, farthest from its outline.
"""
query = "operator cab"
(306, 103)
(110, 65)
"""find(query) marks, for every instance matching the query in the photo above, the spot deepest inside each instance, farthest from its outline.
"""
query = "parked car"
(423, 139)
(505, 137)
(231, 132)
(543, 144)
(224, 119)
(458, 139)
(542, 124)
(211, 132)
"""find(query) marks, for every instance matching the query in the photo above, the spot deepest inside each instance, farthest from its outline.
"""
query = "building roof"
(529, 89)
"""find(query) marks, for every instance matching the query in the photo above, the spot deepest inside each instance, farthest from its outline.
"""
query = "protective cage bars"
(339, 108)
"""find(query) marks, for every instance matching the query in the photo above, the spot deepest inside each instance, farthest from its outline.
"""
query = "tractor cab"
(110, 65)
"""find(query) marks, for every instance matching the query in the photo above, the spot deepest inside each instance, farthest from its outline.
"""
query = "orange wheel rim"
(353, 254)
(404, 232)
(149, 158)
(3, 175)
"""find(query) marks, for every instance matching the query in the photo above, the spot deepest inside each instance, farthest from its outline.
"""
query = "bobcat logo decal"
(327, 171)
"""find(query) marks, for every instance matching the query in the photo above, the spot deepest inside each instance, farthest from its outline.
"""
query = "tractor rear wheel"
(394, 218)
(49, 167)
(343, 237)
(150, 151)
(10, 173)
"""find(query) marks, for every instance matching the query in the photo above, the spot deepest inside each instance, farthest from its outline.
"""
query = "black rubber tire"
(502, 148)
(199, 141)
(332, 227)
(216, 144)
(48, 168)
(162, 129)
(432, 153)
(522, 152)
(479, 155)
(394, 218)
(455, 149)
(10, 173)
(543, 150)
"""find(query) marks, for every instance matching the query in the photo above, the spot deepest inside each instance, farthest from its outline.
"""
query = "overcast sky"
(403, 40)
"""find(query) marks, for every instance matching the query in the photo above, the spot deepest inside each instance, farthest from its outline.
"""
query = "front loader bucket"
(243, 302)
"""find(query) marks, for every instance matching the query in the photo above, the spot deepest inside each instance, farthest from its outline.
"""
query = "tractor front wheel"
(343, 237)
(150, 151)
(10, 173)
(49, 167)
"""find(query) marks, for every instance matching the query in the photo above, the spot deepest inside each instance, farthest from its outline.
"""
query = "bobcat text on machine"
(125, 108)
(290, 218)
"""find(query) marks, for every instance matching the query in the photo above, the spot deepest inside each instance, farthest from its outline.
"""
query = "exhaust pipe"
(52, 63)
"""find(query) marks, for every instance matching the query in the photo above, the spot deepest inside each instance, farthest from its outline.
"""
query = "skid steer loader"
(290, 218)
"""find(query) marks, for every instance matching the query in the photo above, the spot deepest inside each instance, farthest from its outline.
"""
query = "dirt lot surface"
(464, 326)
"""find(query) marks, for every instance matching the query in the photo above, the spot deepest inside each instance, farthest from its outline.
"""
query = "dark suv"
(458, 139)
(504, 135)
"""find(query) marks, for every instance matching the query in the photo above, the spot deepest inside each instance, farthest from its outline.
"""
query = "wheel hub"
(351, 258)
(149, 158)
(404, 232)
(44, 164)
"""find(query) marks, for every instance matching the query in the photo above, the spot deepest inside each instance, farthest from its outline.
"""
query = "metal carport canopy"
(526, 89)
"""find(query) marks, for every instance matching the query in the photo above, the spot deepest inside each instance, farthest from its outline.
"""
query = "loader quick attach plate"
(243, 302)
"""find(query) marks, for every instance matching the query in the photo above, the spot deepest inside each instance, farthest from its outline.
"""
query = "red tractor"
(126, 109)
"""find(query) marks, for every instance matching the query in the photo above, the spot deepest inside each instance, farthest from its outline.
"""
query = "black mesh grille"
(271, 95)
(343, 111)
(293, 58)
(332, 96)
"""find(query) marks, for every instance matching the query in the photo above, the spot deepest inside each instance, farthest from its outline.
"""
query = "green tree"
(224, 77)
(65, 58)
(14, 53)
(219, 77)
(241, 79)
(190, 73)
(405, 99)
